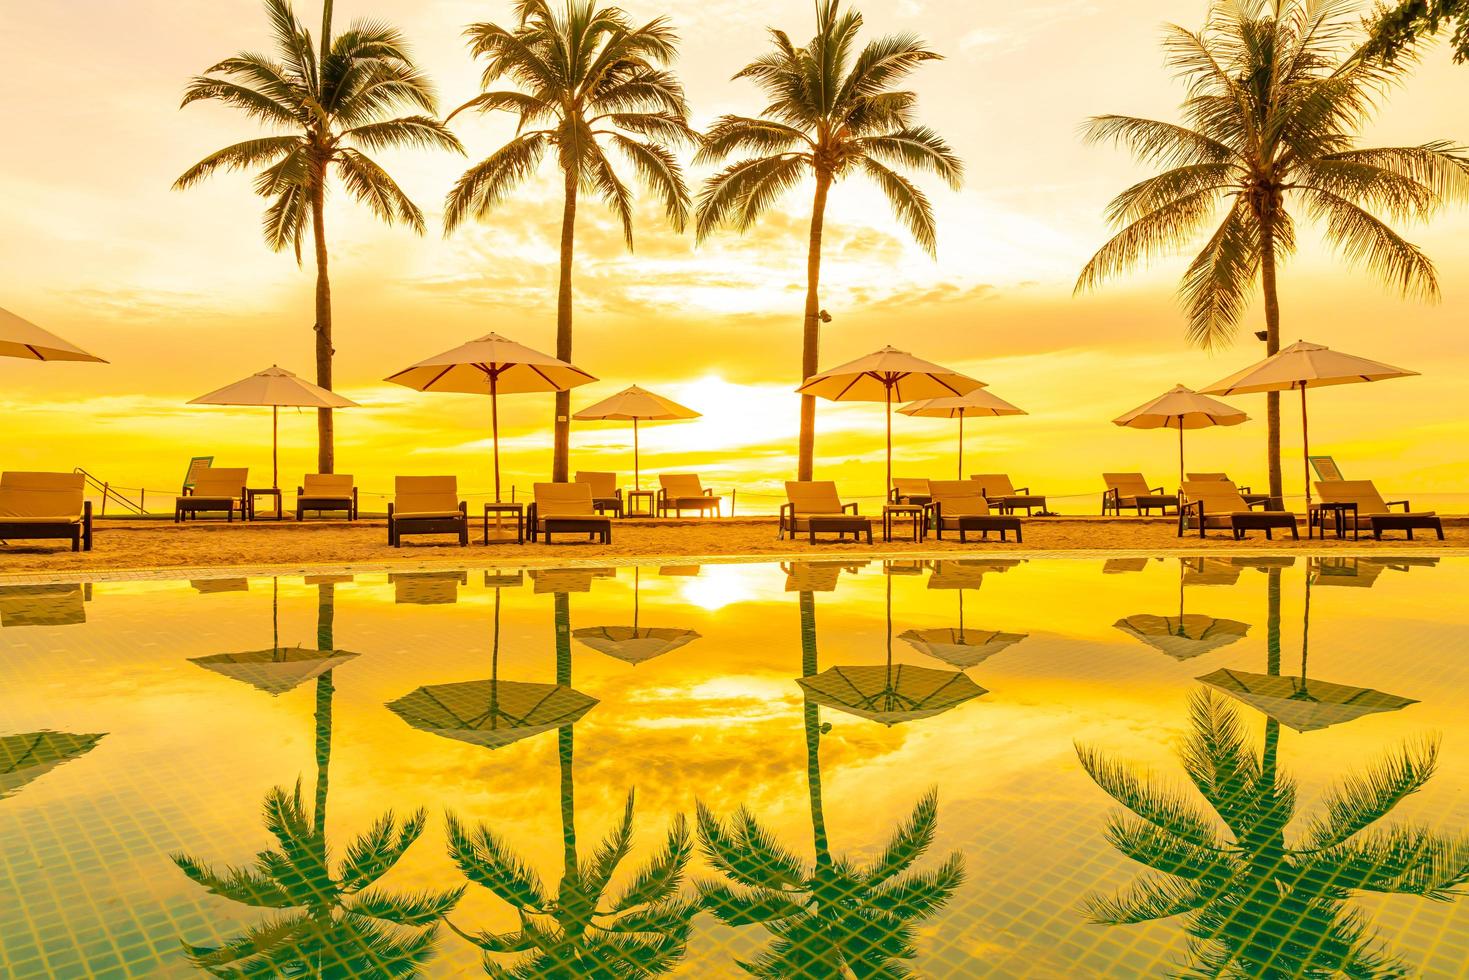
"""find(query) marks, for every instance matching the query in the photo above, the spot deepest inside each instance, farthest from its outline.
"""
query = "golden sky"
(179, 293)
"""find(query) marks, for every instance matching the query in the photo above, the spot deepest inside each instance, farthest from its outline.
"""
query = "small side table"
(892, 513)
(516, 510)
(252, 492)
(1340, 512)
(649, 498)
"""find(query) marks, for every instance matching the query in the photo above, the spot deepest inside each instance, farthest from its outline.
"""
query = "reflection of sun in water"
(717, 586)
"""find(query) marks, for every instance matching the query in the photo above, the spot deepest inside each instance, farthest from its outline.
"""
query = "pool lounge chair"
(961, 505)
(197, 465)
(814, 507)
(908, 491)
(1130, 490)
(606, 494)
(1368, 510)
(566, 507)
(1002, 494)
(682, 491)
(216, 489)
(45, 505)
(427, 505)
(326, 492)
(1253, 499)
(1216, 504)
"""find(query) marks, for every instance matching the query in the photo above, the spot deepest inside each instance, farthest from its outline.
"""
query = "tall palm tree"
(587, 81)
(834, 111)
(1275, 95)
(327, 105)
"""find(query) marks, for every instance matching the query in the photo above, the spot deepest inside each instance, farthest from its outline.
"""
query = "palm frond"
(423, 132)
(490, 181)
(724, 197)
(370, 184)
(1358, 801)
(272, 934)
(599, 174)
(1158, 806)
(485, 860)
(659, 170)
(749, 907)
(917, 896)
(918, 148)
(731, 134)
(1165, 230)
(1161, 143)
(1218, 283)
(660, 879)
(1364, 239)
(746, 851)
(239, 156)
(285, 220)
(910, 841)
(1148, 899)
(415, 909)
(239, 885)
(253, 103)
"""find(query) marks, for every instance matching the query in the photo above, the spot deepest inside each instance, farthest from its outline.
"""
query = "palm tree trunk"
(811, 723)
(1272, 345)
(811, 331)
(565, 743)
(1272, 667)
(325, 449)
(325, 621)
(560, 465)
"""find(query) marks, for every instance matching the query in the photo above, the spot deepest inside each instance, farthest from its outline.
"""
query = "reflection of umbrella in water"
(890, 693)
(33, 754)
(43, 605)
(961, 647)
(278, 669)
(1186, 635)
(634, 644)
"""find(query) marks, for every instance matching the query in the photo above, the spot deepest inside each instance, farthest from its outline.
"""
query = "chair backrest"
(1359, 492)
(1326, 468)
(994, 484)
(221, 481)
(681, 484)
(1218, 495)
(425, 494)
(959, 498)
(41, 495)
(1208, 476)
(910, 487)
(1127, 484)
(197, 464)
(602, 484)
(327, 485)
(564, 499)
(813, 497)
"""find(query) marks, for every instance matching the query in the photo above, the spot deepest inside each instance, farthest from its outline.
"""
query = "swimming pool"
(817, 770)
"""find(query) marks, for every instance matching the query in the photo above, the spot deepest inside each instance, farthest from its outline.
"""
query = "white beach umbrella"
(21, 338)
(1181, 408)
(636, 404)
(979, 403)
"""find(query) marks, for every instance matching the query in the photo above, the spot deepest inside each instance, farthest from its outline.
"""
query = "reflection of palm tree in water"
(329, 925)
(835, 918)
(1256, 903)
(580, 931)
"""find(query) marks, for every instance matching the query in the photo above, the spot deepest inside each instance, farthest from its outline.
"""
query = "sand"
(145, 545)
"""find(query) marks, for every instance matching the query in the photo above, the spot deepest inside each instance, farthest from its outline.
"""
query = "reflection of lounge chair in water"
(43, 605)
(25, 757)
(818, 576)
(427, 588)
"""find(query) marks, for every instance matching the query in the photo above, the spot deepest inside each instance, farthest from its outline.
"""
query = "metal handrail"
(105, 488)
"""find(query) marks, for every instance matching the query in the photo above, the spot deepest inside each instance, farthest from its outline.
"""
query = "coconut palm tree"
(1275, 95)
(587, 82)
(328, 106)
(833, 112)
(835, 917)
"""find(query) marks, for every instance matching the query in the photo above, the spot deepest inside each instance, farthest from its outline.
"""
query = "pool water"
(848, 769)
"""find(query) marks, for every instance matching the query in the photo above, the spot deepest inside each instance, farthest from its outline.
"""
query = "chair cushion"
(59, 519)
(413, 515)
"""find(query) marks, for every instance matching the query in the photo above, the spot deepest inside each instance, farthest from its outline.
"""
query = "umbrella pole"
(1180, 453)
(637, 479)
(1306, 464)
(275, 479)
(495, 429)
(889, 390)
(961, 443)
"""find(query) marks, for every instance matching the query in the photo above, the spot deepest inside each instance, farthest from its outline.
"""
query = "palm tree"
(580, 930)
(327, 106)
(331, 924)
(1256, 903)
(833, 112)
(588, 81)
(1404, 23)
(833, 918)
(1275, 96)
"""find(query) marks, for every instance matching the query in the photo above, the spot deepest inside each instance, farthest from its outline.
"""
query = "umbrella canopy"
(886, 376)
(1302, 704)
(277, 388)
(962, 648)
(25, 757)
(277, 670)
(978, 403)
(1185, 636)
(492, 365)
(491, 713)
(636, 405)
(1305, 365)
(22, 338)
(1181, 408)
(891, 693)
(634, 644)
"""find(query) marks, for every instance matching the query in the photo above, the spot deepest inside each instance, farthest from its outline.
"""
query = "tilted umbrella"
(634, 644)
(1305, 365)
(32, 754)
(635, 404)
(494, 366)
(978, 403)
(1186, 635)
(887, 376)
(1181, 408)
(278, 388)
(22, 338)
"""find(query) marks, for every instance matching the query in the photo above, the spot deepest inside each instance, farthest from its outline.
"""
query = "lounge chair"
(814, 507)
(1130, 490)
(1253, 499)
(961, 505)
(197, 465)
(427, 505)
(1002, 494)
(1217, 504)
(683, 491)
(45, 505)
(908, 491)
(606, 494)
(1365, 508)
(561, 507)
(326, 491)
(216, 489)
